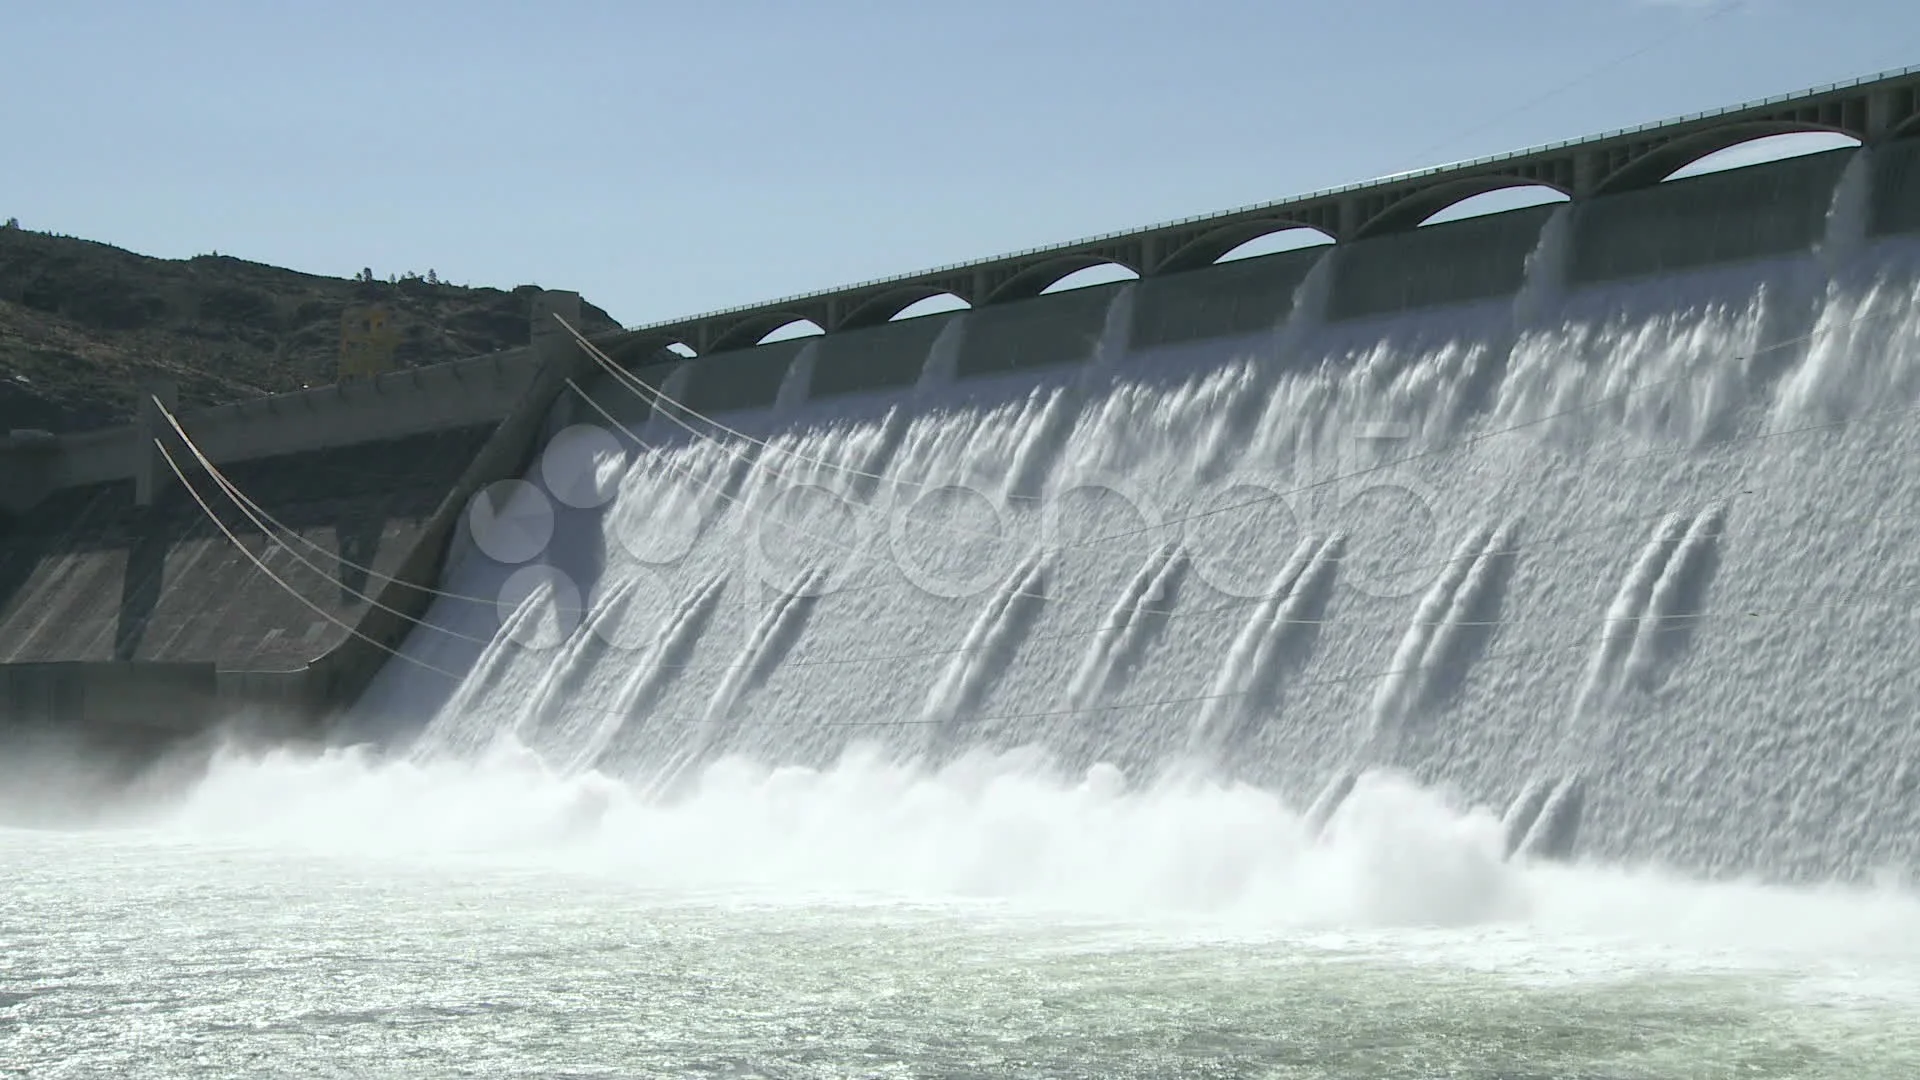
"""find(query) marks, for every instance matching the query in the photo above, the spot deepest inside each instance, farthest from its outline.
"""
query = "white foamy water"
(343, 916)
(1649, 534)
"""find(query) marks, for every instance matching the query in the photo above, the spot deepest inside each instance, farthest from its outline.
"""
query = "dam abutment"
(341, 674)
(123, 605)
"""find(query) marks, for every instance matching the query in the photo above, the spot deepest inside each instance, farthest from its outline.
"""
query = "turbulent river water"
(1511, 689)
(341, 917)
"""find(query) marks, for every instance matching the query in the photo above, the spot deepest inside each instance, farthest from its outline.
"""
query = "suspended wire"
(656, 397)
(1609, 626)
(257, 514)
(1225, 608)
(261, 520)
(1133, 613)
(1136, 612)
(261, 565)
(1531, 101)
(251, 507)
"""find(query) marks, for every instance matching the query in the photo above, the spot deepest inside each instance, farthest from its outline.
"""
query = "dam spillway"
(1605, 503)
(1351, 661)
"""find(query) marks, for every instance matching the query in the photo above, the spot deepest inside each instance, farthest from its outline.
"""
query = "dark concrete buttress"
(151, 473)
(338, 678)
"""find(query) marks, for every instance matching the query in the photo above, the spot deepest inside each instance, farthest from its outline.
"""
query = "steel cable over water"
(256, 514)
(655, 397)
(252, 508)
(1609, 626)
(266, 523)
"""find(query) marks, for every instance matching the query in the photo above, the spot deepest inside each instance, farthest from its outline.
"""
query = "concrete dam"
(1592, 515)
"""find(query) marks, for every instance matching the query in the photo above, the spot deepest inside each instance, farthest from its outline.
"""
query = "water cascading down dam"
(1594, 514)
(1669, 621)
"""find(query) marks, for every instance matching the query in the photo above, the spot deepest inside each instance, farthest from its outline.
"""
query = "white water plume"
(1005, 828)
(1139, 610)
(1702, 615)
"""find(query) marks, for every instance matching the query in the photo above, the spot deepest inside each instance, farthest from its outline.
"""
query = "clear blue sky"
(669, 159)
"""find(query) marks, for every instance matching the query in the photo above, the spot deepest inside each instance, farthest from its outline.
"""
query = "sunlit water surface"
(391, 920)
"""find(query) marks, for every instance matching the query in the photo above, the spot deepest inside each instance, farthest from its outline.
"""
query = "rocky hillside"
(81, 323)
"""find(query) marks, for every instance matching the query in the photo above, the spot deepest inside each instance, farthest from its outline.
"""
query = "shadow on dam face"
(16, 561)
(151, 536)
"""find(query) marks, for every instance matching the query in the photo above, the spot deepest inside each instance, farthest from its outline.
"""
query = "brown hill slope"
(81, 323)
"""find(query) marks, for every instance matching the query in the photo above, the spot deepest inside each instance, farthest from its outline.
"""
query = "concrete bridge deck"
(1877, 110)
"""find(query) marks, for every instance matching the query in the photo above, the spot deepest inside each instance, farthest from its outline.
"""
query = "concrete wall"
(271, 704)
(76, 736)
(1229, 299)
(31, 469)
(173, 697)
(339, 677)
(28, 461)
(105, 602)
(628, 408)
(741, 378)
(1896, 188)
(1448, 263)
(1774, 209)
(393, 406)
(89, 576)
(890, 356)
(1058, 328)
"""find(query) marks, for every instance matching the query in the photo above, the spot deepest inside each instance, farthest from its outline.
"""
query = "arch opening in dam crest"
(1041, 277)
(1089, 276)
(906, 302)
(1424, 205)
(798, 328)
(1243, 240)
(755, 328)
(1663, 162)
(641, 349)
(937, 304)
(1763, 150)
(1497, 201)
